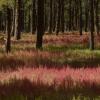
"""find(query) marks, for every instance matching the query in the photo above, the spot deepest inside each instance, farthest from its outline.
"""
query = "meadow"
(65, 69)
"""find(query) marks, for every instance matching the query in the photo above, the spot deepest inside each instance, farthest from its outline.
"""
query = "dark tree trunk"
(97, 16)
(33, 23)
(86, 15)
(25, 21)
(51, 15)
(8, 44)
(29, 19)
(70, 15)
(74, 24)
(72, 18)
(45, 16)
(54, 15)
(22, 15)
(40, 23)
(58, 17)
(92, 24)
(4, 21)
(76, 15)
(62, 16)
(81, 22)
(0, 21)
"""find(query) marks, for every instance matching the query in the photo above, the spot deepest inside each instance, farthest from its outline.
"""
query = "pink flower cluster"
(66, 39)
(66, 78)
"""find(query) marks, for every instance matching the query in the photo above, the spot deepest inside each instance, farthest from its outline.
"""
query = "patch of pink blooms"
(66, 77)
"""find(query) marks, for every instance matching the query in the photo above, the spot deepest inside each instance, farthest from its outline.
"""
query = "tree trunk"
(58, 17)
(51, 15)
(8, 44)
(97, 16)
(33, 23)
(29, 19)
(76, 15)
(70, 15)
(62, 16)
(86, 15)
(13, 23)
(18, 20)
(0, 21)
(40, 23)
(92, 24)
(54, 15)
(22, 15)
(81, 23)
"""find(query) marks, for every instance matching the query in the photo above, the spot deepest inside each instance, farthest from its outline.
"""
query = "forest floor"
(65, 68)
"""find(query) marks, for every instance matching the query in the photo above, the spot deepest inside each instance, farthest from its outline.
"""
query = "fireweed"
(46, 81)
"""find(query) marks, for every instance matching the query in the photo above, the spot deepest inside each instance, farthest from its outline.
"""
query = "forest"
(49, 49)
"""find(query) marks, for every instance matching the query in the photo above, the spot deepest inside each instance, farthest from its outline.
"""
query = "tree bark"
(62, 16)
(70, 15)
(58, 17)
(54, 15)
(97, 16)
(18, 20)
(13, 22)
(86, 15)
(81, 22)
(92, 24)
(8, 44)
(51, 15)
(33, 23)
(40, 23)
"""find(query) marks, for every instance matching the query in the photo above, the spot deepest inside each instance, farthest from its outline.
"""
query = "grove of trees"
(49, 16)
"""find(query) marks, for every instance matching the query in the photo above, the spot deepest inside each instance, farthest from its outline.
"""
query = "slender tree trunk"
(81, 22)
(0, 21)
(62, 16)
(86, 16)
(18, 20)
(29, 19)
(73, 16)
(70, 15)
(76, 15)
(33, 23)
(5, 21)
(58, 17)
(25, 21)
(13, 23)
(40, 23)
(8, 44)
(45, 16)
(22, 15)
(54, 15)
(51, 15)
(92, 24)
(97, 16)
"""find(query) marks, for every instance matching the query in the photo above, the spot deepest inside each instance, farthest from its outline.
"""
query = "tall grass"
(74, 58)
(28, 74)
(46, 82)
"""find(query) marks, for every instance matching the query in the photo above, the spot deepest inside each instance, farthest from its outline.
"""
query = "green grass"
(73, 58)
(50, 97)
(64, 48)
